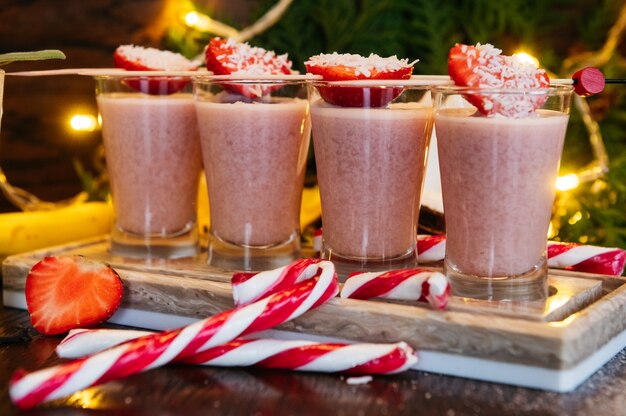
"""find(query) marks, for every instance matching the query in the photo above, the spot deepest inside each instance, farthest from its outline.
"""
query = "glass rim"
(380, 83)
(202, 76)
(147, 76)
(261, 81)
(455, 89)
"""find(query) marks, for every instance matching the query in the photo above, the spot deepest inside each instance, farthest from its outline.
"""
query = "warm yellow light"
(199, 21)
(567, 182)
(575, 218)
(83, 122)
(526, 58)
(88, 399)
(192, 19)
(203, 23)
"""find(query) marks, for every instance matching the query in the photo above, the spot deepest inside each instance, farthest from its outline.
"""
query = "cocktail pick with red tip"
(589, 81)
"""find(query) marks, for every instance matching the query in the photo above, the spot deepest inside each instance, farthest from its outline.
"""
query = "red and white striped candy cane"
(431, 248)
(589, 259)
(363, 358)
(81, 342)
(404, 284)
(568, 256)
(250, 287)
(152, 351)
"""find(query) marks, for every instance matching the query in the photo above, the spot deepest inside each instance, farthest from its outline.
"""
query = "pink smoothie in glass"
(517, 157)
(153, 159)
(370, 166)
(255, 158)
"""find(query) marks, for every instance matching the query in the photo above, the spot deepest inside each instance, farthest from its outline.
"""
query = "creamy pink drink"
(500, 133)
(370, 166)
(255, 158)
(498, 179)
(154, 162)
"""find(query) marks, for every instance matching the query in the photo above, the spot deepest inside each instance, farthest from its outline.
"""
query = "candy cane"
(405, 284)
(589, 259)
(363, 358)
(152, 351)
(82, 342)
(250, 287)
(569, 256)
(431, 248)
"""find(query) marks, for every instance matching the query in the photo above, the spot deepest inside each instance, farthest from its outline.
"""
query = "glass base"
(230, 256)
(347, 265)
(532, 285)
(149, 246)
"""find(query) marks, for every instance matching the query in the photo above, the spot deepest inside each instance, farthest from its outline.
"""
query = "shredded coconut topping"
(244, 59)
(495, 70)
(363, 65)
(501, 71)
(155, 58)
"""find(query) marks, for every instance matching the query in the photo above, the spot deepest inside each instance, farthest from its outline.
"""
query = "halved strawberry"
(64, 293)
(483, 66)
(229, 57)
(350, 67)
(138, 58)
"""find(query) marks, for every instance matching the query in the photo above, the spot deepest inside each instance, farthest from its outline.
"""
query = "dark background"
(38, 148)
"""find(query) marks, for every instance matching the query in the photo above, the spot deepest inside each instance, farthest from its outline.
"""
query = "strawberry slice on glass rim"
(229, 57)
(484, 66)
(352, 67)
(138, 58)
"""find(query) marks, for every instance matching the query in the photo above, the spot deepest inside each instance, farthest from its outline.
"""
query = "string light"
(567, 182)
(203, 23)
(192, 19)
(83, 122)
(526, 58)
(575, 218)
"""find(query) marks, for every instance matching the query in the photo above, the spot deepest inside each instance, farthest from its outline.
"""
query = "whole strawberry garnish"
(483, 66)
(350, 67)
(64, 293)
(138, 58)
(229, 57)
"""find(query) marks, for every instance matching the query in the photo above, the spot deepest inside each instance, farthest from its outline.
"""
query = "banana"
(311, 208)
(204, 222)
(26, 231)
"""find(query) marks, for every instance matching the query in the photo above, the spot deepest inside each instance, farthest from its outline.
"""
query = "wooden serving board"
(584, 313)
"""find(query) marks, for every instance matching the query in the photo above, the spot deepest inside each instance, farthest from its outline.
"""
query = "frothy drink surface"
(153, 159)
(498, 180)
(370, 166)
(255, 158)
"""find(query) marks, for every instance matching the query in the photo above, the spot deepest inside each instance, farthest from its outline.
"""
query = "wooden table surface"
(188, 390)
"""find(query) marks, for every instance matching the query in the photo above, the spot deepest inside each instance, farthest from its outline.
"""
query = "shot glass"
(255, 135)
(498, 176)
(370, 140)
(153, 160)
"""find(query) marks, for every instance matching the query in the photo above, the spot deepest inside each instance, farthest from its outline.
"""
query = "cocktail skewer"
(587, 81)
